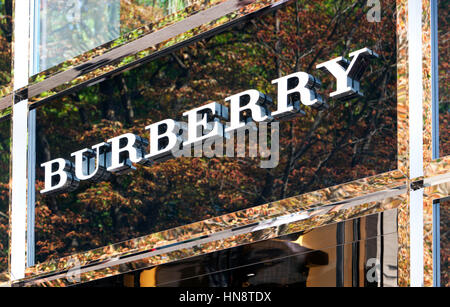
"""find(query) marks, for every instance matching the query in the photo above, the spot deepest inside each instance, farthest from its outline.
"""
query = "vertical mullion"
(18, 223)
(415, 93)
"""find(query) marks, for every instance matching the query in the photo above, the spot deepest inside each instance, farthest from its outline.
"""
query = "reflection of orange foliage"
(133, 15)
(445, 242)
(350, 140)
(5, 143)
(444, 133)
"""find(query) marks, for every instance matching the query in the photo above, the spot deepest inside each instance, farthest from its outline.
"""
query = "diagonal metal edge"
(191, 243)
(142, 60)
(145, 42)
(135, 46)
(313, 199)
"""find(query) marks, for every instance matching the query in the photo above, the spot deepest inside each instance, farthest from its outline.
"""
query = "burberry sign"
(212, 121)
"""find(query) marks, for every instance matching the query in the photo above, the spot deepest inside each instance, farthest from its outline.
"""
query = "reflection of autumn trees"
(349, 140)
(5, 42)
(137, 13)
(5, 79)
(70, 28)
(4, 193)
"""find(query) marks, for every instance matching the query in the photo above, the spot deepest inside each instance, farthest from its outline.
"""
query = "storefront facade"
(346, 182)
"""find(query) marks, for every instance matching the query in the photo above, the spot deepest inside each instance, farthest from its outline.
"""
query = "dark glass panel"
(351, 139)
(5, 44)
(5, 143)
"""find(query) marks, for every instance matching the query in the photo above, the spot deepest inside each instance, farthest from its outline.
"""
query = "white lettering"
(348, 73)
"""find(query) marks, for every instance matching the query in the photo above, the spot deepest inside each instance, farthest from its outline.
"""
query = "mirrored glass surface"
(5, 143)
(444, 77)
(346, 139)
(5, 45)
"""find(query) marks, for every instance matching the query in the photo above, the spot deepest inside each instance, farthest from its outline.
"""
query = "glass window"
(444, 214)
(5, 143)
(68, 28)
(444, 77)
(5, 45)
(350, 139)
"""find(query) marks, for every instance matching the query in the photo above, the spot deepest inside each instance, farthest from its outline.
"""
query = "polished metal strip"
(415, 139)
(65, 276)
(18, 221)
(436, 180)
(145, 42)
(5, 102)
(31, 195)
(31, 160)
(415, 88)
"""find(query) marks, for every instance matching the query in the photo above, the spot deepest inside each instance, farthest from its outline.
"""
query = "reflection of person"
(266, 263)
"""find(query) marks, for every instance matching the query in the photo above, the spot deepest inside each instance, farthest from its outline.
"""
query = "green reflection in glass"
(350, 140)
(72, 27)
(444, 214)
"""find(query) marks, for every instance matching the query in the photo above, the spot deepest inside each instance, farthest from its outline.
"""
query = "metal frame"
(18, 207)
(193, 247)
(158, 39)
(418, 181)
(436, 169)
(436, 244)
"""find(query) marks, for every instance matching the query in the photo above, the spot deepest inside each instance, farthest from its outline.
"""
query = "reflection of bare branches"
(293, 153)
(235, 186)
(342, 136)
(125, 98)
(179, 61)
